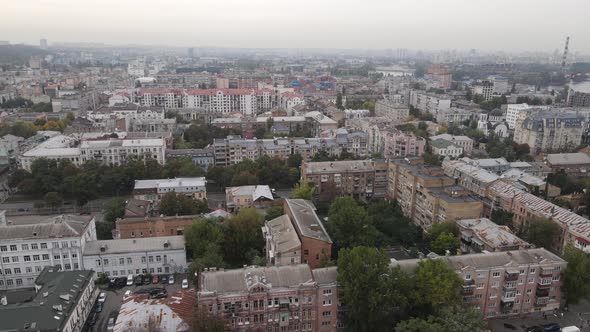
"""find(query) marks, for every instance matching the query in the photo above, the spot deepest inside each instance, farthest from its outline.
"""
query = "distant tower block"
(565, 50)
(43, 44)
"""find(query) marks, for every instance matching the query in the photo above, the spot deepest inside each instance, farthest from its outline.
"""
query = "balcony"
(511, 275)
(541, 301)
(509, 286)
(508, 297)
(542, 292)
(544, 283)
(546, 273)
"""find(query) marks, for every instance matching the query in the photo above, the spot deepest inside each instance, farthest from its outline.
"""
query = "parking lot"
(114, 299)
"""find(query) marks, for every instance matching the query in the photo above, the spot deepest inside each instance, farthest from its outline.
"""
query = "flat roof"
(170, 183)
(61, 226)
(487, 231)
(340, 166)
(141, 244)
(306, 220)
(568, 158)
(283, 233)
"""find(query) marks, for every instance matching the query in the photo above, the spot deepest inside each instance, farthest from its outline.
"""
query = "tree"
(436, 286)
(444, 227)
(53, 199)
(502, 217)
(444, 242)
(448, 320)
(576, 277)
(173, 203)
(114, 210)
(201, 320)
(348, 223)
(541, 232)
(339, 101)
(303, 190)
(243, 235)
(274, 211)
(202, 237)
(363, 274)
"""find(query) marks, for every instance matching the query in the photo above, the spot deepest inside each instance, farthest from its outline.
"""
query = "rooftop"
(568, 158)
(170, 183)
(49, 309)
(143, 244)
(490, 233)
(283, 233)
(61, 226)
(306, 220)
(340, 166)
(257, 192)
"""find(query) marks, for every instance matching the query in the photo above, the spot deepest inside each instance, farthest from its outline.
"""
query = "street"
(577, 315)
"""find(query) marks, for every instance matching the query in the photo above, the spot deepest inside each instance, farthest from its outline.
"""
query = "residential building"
(314, 121)
(222, 101)
(122, 257)
(166, 98)
(453, 115)
(316, 245)
(138, 208)
(134, 227)
(26, 248)
(257, 196)
(397, 143)
(289, 100)
(501, 84)
(513, 111)
(573, 164)
(60, 301)
(506, 283)
(445, 149)
(471, 177)
(427, 196)
(138, 312)
(283, 246)
(429, 102)
(10, 144)
(464, 142)
(483, 235)
(483, 88)
(440, 74)
(396, 112)
(360, 179)
(200, 157)
(292, 297)
(551, 130)
(154, 189)
(493, 165)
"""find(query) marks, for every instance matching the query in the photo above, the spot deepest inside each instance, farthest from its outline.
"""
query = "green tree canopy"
(436, 285)
(348, 223)
(541, 232)
(448, 320)
(577, 275)
(444, 242)
(303, 190)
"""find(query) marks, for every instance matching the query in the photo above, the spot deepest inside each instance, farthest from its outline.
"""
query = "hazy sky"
(513, 25)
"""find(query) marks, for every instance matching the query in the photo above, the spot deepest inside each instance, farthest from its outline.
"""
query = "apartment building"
(396, 112)
(579, 95)
(550, 130)
(26, 249)
(283, 246)
(154, 189)
(506, 283)
(232, 150)
(463, 142)
(258, 196)
(281, 298)
(60, 301)
(492, 165)
(573, 164)
(289, 100)
(360, 179)
(453, 115)
(427, 196)
(397, 143)
(134, 227)
(513, 111)
(200, 157)
(316, 244)
(440, 75)
(166, 98)
(470, 177)
(315, 122)
(122, 257)
(482, 234)
(483, 88)
(429, 102)
(222, 101)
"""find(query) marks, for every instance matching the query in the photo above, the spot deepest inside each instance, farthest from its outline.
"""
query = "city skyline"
(427, 25)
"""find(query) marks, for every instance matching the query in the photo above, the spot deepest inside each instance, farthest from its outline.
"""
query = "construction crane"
(565, 49)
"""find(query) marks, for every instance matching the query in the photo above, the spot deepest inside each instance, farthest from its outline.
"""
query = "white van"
(130, 280)
(570, 329)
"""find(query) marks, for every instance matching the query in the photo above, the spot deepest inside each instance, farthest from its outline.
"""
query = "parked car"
(171, 280)
(129, 280)
(121, 282)
(138, 281)
(155, 279)
(127, 293)
(99, 306)
(147, 280)
(111, 324)
(164, 279)
(551, 327)
(142, 291)
(184, 283)
(157, 290)
(92, 318)
(102, 297)
(535, 328)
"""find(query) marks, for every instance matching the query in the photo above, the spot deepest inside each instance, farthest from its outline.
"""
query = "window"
(29, 269)
(15, 259)
(98, 262)
(152, 270)
(55, 245)
(56, 257)
(7, 271)
(306, 252)
(480, 285)
(3, 248)
(43, 245)
(143, 259)
(521, 271)
(121, 261)
(38, 269)
(17, 270)
(68, 266)
(64, 256)
(327, 292)
(533, 270)
(151, 259)
(5, 259)
(495, 284)
(326, 314)
(496, 274)
(158, 258)
(327, 302)
(105, 262)
(13, 247)
(34, 246)
(25, 247)
(492, 304)
(555, 278)
(64, 244)
(45, 257)
(159, 270)
(9, 282)
(129, 260)
(74, 255)
(27, 258)
(531, 280)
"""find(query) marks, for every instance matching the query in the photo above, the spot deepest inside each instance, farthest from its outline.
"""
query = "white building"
(484, 89)
(513, 111)
(429, 102)
(291, 99)
(464, 142)
(156, 188)
(222, 100)
(25, 249)
(445, 148)
(122, 257)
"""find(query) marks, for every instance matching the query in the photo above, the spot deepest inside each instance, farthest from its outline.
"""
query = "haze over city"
(502, 25)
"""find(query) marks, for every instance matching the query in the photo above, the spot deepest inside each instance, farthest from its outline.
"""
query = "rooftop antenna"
(565, 50)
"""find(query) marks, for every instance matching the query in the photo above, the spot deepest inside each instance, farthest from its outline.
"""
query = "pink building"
(397, 143)
(280, 298)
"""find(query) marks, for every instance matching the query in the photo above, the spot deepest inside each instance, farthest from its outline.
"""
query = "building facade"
(550, 131)
(153, 190)
(397, 143)
(134, 227)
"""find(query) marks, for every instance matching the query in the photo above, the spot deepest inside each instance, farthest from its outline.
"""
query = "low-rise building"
(60, 301)
(154, 189)
(506, 283)
(134, 227)
(200, 157)
(462, 141)
(138, 208)
(122, 257)
(483, 235)
(283, 246)
(445, 149)
(27, 247)
(573, 164)
(257, 196)
(292, 297)
(361, 179)
(397, 143)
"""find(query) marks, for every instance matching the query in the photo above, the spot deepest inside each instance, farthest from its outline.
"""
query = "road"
(577, 315)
